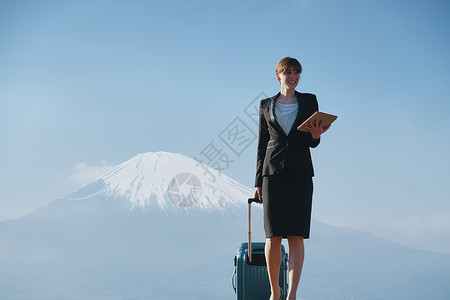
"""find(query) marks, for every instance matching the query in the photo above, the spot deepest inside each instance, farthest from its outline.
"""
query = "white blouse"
(286, 115)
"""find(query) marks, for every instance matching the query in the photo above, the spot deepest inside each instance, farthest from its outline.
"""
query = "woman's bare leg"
(273, 259)
(296, 257)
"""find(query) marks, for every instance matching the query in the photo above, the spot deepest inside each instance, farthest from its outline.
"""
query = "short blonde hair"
(289, 64)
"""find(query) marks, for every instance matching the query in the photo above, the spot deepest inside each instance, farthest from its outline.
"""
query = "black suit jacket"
(280, 153)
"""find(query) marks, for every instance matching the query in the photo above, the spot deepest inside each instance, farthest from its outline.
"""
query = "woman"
(284, 173)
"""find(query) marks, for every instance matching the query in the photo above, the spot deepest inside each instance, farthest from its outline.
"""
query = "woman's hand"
(316, 129)
(258, 194)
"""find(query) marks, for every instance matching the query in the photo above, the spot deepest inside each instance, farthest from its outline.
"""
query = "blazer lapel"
(300, 112)
(272, 114)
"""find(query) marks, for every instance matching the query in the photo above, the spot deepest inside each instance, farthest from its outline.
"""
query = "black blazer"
(280, 153)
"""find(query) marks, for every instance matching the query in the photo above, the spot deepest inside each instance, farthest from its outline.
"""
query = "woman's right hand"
(258, 194)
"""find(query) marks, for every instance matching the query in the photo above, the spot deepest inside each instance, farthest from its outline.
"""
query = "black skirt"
(287, 202)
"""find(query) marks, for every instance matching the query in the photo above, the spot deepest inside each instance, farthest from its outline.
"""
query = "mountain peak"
(167, 181)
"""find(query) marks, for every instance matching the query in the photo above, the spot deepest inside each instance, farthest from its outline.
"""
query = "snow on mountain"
(167, 181)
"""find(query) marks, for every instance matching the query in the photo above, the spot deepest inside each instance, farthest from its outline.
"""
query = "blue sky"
(86, 85)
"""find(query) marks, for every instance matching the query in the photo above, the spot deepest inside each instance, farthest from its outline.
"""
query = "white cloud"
(83, 173)
(441, 223)
(426, 232)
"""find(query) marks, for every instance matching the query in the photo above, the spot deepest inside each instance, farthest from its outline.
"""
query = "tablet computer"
(318, 116)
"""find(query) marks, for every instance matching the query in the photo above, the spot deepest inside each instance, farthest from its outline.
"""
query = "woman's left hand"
(316, 129)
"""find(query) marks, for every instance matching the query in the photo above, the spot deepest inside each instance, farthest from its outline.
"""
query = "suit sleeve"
(312, 142)
(263, 139)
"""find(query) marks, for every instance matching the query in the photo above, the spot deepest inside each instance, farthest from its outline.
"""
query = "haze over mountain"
(164, 226)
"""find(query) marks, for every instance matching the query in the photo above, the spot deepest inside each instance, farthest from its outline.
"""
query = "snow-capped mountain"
(163, 226)
(167, 181)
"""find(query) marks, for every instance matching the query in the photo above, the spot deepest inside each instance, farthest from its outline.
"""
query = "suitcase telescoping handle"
(250, 200)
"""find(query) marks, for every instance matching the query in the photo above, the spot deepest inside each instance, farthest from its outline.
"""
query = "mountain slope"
(143, 231)
(344, 263)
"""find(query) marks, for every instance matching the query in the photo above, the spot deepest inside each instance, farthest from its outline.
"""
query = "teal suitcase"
(250, 280)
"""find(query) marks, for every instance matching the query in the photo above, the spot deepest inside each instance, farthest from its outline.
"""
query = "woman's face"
(288, 79)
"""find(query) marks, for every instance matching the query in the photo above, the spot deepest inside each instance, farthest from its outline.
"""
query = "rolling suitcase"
(250, 280)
